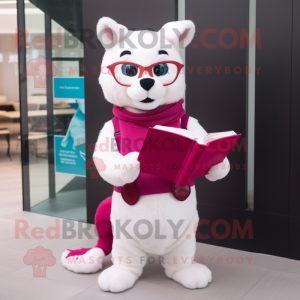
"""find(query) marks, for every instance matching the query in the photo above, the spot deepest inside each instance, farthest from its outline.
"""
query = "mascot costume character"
(146, 86)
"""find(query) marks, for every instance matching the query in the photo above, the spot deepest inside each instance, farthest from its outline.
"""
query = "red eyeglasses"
(125, 73)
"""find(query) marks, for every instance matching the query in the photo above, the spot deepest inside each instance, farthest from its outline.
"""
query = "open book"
(178, 155)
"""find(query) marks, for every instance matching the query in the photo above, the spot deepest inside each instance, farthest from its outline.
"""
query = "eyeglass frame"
(143, 69)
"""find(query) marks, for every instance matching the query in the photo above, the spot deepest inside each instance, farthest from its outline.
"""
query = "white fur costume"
(130, 247)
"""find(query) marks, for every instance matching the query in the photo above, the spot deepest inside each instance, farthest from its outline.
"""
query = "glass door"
(55, 103)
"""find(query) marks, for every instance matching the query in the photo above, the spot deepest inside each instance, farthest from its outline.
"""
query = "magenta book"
(176, 154)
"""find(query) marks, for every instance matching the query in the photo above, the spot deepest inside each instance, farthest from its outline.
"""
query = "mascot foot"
(83, 260)
(116, 280)
(195, 276)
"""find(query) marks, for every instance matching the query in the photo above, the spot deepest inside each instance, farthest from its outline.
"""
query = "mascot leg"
(128, 263)
(180, 266)
(89, 260)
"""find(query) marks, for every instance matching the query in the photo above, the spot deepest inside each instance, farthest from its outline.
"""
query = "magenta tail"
(104, 229)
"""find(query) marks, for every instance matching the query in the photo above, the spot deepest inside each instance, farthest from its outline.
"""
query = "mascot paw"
(89, 262)
(218, 171)
(116, 280)
(130, 167)
(195, 276)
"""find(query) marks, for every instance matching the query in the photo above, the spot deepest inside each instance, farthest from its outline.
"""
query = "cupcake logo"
(39, 258)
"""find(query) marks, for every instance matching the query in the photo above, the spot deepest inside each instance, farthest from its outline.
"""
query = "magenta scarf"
(166, 115)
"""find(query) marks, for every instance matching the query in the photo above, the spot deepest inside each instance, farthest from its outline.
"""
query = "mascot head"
(142, 70)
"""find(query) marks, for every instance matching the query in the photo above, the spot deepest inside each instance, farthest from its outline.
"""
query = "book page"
(206, 139)
(216, 135)
(180, 131)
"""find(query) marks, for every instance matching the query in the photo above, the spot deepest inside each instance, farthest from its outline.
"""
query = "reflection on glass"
(68, 198)
(65, 44)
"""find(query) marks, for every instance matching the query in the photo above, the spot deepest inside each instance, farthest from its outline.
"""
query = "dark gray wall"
(218, 101)
(272, 106)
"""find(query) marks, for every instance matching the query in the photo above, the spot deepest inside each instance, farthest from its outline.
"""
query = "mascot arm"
(112, 166)
(218, 171)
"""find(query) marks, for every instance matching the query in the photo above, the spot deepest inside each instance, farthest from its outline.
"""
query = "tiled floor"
(256, 276)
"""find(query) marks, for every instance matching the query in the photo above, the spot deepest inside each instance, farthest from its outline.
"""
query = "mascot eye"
(160, 69)
(36, 68)
(129, 70)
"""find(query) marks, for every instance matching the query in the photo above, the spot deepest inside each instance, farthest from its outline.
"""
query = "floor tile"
(6, 230)
(233, 280)
(254, 259)
(12, 258)
(276, 285)
(95, 292)
(22, 285)
(31, 218)
(145, 291)
(288, 266)
(4, 271)
(61, 274)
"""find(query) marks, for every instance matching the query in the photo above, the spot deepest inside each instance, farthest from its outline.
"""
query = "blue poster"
(68, 87)
(67, 159)
(70, 149)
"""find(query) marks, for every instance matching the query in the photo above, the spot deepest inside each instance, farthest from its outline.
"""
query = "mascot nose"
(147, 83)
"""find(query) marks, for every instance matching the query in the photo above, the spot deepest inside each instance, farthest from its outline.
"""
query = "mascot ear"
(179, 33)
(109, 32)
